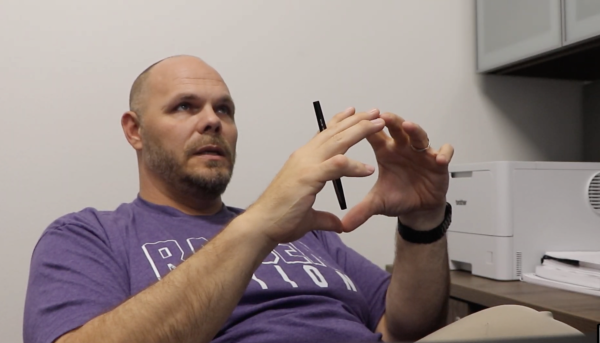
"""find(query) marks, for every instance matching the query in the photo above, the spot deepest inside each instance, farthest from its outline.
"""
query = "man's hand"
(412, 184)
(285, 208)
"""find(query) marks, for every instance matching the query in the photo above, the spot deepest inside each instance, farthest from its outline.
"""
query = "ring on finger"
(423, 149)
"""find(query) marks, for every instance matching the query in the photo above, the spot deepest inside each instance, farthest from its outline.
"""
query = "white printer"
(506, 215)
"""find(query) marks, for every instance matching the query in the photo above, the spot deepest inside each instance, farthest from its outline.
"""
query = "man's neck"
(160, 194)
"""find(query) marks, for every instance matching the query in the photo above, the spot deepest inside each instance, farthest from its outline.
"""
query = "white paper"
(589, 259)
(532, 278)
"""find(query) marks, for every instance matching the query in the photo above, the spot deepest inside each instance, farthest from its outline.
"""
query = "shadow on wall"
(546, 113)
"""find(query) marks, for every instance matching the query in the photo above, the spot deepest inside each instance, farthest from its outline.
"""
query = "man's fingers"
(359, 214)
(418, 136)
(352, 120)
(342, 141)
(377, 140)
(341, 116)
(394, 125)
(444, 155)
(340, 123)
(340, 165)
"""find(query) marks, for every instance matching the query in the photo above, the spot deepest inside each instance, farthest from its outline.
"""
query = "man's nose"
(209, 121)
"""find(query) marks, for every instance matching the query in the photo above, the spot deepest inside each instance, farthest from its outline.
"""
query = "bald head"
(180, 105)
(141, 86)
(138, 89)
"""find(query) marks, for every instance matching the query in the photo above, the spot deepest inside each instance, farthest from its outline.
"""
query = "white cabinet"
(582, 20)
(509, 31)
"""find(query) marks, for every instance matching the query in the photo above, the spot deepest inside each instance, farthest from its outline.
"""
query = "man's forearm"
(417, 297)
(193, 301)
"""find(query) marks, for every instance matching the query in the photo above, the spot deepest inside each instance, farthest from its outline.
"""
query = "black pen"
(337, 183)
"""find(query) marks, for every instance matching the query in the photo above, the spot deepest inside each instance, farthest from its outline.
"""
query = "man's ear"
(130, 122)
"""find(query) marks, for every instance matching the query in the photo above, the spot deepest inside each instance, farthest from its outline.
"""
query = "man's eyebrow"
(193, 97)
(180, 97)
(228, 100)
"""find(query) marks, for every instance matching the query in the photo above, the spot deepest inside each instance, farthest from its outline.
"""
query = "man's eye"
(224, 109)
(184, 106)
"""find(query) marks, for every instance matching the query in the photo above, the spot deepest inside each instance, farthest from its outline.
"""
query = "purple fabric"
(312, 290)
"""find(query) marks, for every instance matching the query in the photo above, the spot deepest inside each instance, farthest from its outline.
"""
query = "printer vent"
(594, 193)
(519, 262)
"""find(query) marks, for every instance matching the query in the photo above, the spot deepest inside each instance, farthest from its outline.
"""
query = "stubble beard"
(206, 184)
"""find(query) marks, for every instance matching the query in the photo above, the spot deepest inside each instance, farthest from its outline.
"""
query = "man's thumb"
(326, 221)
(358, 215)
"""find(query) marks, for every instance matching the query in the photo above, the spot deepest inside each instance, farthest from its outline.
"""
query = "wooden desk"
(469, 293)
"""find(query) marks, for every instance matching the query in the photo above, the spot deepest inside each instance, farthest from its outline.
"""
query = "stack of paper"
(577, 271)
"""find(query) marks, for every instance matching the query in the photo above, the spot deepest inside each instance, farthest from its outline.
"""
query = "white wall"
(66, 68)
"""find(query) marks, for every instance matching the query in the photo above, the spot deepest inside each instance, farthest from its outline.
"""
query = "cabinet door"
(512, 30)
(582, 20)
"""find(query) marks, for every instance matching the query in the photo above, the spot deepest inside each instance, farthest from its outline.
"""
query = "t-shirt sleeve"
(74, 277)
(371, 280)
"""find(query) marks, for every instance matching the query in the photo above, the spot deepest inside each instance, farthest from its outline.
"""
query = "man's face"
(187, 127)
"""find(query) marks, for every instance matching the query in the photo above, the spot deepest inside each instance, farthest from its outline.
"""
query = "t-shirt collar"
(173, 212)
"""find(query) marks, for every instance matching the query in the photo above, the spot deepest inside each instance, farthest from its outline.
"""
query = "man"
(275, 272)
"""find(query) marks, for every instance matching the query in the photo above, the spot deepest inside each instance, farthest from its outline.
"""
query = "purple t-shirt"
(86, 263)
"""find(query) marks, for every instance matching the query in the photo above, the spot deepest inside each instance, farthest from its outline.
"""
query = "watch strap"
(426, 237)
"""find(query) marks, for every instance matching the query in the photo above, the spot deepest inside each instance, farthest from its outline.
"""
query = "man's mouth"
(210, 150)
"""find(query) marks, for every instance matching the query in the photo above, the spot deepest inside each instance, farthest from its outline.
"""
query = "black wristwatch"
(426, 237)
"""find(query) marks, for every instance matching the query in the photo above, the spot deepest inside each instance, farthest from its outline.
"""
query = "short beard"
(205, 187)
(201, 187)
